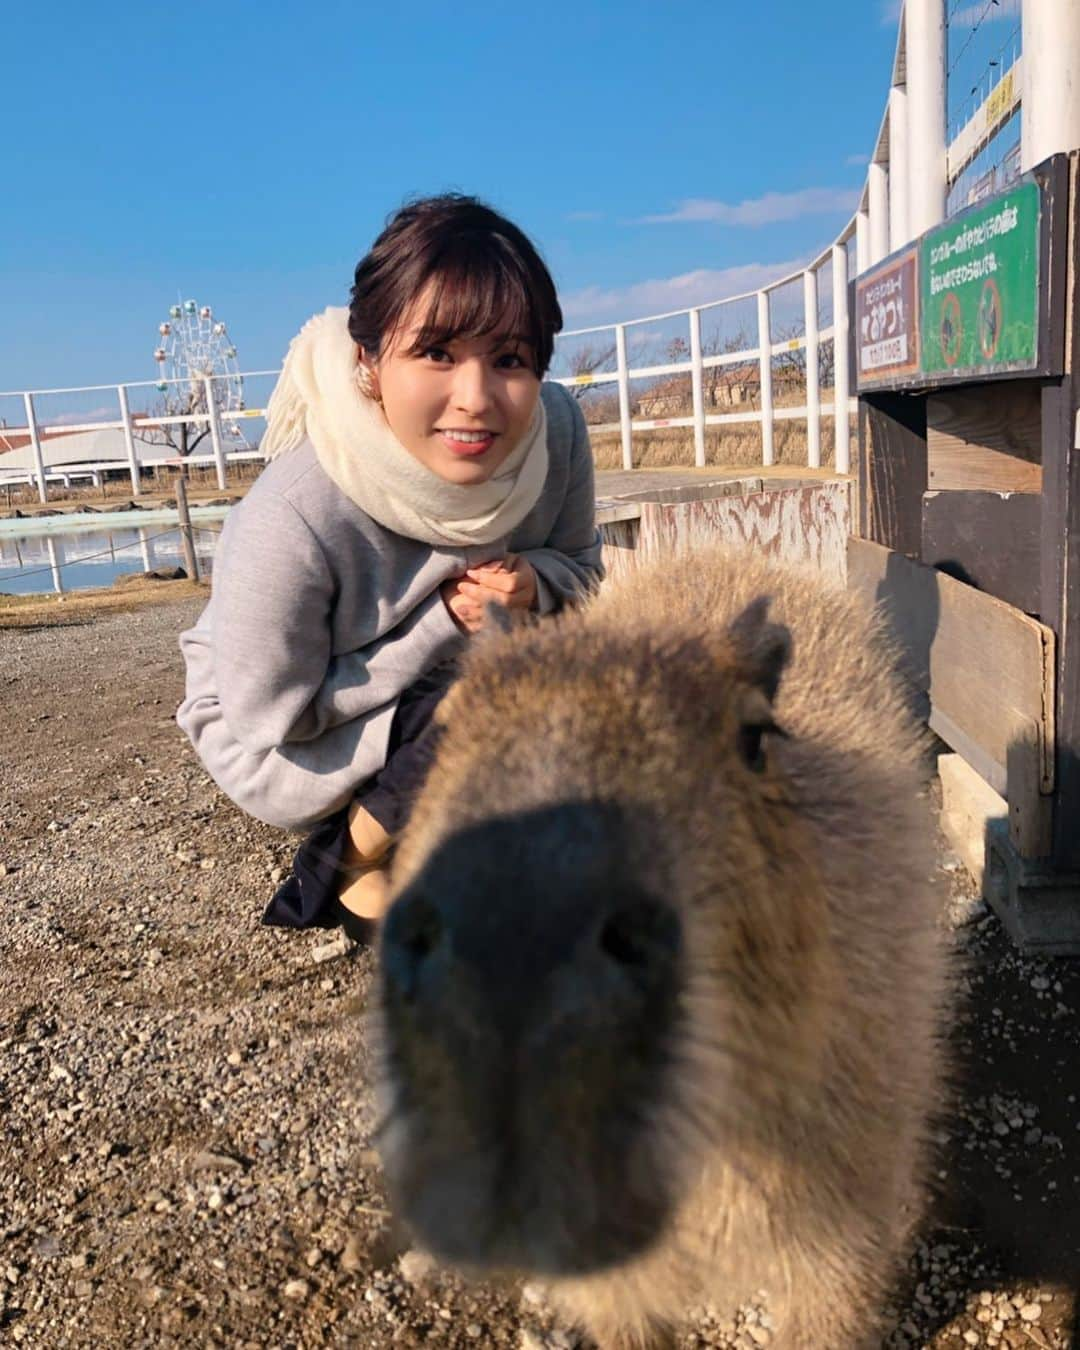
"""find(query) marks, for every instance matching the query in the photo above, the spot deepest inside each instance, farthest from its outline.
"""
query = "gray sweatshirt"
(319, 618)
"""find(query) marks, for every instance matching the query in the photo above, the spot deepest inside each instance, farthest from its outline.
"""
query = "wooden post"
(187, 538)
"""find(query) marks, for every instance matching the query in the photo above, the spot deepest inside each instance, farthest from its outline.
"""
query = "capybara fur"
(662, 978)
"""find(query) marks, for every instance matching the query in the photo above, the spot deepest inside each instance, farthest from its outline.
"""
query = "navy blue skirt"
(308, 898)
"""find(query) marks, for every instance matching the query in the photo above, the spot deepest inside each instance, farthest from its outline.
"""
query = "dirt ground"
(185, 1121)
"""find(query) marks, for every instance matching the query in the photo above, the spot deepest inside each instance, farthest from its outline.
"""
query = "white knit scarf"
(320, 395)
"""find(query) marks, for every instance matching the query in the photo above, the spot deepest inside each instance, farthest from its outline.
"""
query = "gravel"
(186, 1152)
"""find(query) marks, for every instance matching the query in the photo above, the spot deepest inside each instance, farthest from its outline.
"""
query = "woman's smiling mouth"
(461, 442)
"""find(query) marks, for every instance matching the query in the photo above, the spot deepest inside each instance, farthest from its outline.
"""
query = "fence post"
(1051, 93)
(765, 358)
(215, 431)
(129, 440)
(862, 241)
(187, 538)
(696, 386)
(624, 398)
(878, 182)
(898, 166)
(813, 374)
(35, 442)
(841, 357)
(56, 562)
(924, 61)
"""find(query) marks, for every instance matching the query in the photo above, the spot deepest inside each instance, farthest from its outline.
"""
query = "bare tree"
(587, 361)
(182, 437)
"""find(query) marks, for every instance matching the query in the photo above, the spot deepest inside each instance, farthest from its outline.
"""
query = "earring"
(366, 383)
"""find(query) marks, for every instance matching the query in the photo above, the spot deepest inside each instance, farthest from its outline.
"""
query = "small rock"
(235, 1058)
(313, 1257)
(329, 950)
(84, 1288)
(352, 1257)
(416, 1266)
(297, 1290)
(1030, 1312)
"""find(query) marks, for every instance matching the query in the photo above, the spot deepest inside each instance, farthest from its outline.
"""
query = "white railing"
(912, 168)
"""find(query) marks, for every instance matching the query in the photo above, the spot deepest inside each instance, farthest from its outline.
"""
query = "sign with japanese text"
(962, 301)
(886, 318)
(980, 288)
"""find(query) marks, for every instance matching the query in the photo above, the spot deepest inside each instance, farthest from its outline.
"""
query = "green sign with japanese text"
(979, 284)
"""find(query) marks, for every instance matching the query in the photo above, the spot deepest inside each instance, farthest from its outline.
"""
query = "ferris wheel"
(192, 346)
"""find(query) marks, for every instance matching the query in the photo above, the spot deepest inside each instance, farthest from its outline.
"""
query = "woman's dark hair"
(486, 277)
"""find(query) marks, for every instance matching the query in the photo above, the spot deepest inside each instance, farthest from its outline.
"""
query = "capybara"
(662, 979)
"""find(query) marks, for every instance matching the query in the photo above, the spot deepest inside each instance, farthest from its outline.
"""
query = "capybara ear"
(762, 648)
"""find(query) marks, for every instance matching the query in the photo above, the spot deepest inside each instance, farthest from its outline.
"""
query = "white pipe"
(129, 441)
(925, 53)
(35, 442)
(215, 432)
(1051, 79)
(898, 167)
(696, 388)
(813, 384)
(765, 360)
(56, 562)
(878, 182)
(862, 242)
(624, 397)
(841, 386)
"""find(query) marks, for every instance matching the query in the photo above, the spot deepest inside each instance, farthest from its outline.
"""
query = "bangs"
(477, 290)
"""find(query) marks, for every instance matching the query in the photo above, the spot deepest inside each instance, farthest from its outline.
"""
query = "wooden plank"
(1060, 605)
(808, 524)
(985, 668)
(990, 540)
(986, 437)
(892, 470)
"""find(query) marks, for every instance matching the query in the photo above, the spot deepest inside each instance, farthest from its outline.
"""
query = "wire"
(971, 36)
(74, 562)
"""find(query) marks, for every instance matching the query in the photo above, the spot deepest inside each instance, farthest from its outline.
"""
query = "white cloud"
(595, 304)
(102, 414)
(584, 215)
(765, 210)
(857, 160)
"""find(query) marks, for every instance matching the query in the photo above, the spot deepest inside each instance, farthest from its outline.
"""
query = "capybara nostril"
(642, 937)
(414, 929)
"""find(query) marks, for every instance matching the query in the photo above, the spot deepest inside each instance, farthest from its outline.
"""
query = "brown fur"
(790, 1134)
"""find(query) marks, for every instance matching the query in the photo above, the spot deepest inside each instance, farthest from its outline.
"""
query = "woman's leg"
(339, 872)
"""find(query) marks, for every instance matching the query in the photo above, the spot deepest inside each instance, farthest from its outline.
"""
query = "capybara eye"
(750, 745)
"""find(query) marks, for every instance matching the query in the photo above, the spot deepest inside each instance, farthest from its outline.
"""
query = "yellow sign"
(583, 379)
(1000, 100)
(794, 344)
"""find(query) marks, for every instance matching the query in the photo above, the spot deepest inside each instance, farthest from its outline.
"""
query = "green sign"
(979, 283)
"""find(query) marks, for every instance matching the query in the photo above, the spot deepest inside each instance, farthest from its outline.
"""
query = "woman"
(420, 472)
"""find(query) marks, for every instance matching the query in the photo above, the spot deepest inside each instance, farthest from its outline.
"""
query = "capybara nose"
(510, 905)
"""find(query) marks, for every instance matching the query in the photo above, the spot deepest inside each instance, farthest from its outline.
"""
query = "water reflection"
(75, 560)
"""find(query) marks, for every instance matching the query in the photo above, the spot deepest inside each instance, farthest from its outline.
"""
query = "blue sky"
(246, 154)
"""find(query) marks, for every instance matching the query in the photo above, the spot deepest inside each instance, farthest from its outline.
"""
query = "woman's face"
(460, 408)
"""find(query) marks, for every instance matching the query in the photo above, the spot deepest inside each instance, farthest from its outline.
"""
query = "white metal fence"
(930, 154)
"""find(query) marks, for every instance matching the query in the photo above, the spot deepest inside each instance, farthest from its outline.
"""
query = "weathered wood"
(986, 670)
(968, 804)
(808, 524)
(892, 470)
(988, 539)
(1060, 604)
(985, 437)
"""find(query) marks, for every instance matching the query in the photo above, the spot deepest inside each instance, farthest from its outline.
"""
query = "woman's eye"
(510, 361)
(436, 354)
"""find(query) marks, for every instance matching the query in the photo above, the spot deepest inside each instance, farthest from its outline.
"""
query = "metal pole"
(862, 241)
(898, 166)
(878, 182)
(187, 538)
(697, 388)
(129, 440)
(215, 432)
(841, 357)
(765, 360)
(35, 442)
(925, 72)
(1051, 93)
(813, 382)
(624, 398)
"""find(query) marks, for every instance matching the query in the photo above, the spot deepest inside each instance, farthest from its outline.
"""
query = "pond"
(76, 557)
